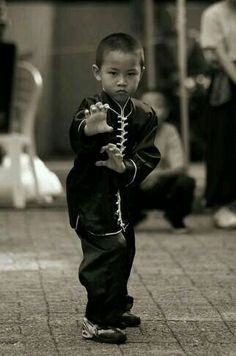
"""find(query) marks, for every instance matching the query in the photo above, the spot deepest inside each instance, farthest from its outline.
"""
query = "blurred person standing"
(7, 65)
(218, 40)
(167, 187)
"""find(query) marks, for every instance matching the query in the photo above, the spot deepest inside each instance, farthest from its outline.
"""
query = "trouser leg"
(179, 198)
(103, 275)
(130, 241)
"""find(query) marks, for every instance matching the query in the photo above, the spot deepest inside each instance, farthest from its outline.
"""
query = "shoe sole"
(129, 324)
(86, 335)
(106, 341)
(132, 325)
(121, 340)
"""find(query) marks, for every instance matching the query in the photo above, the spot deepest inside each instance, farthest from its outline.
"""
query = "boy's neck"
(121, 105)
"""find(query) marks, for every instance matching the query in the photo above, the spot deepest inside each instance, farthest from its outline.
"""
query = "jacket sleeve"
(145, 156)
(81, 144)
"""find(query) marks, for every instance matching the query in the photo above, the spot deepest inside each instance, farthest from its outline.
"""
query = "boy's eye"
(112, 73)
(131, 74)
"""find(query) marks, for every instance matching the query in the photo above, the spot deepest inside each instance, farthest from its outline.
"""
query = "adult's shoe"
(224, 218)
(180, 229)
(178, 226)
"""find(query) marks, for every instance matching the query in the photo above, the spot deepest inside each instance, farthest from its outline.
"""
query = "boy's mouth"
(121, 91)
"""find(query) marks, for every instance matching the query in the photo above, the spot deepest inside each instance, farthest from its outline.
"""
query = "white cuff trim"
(80, 124)
(135, 173)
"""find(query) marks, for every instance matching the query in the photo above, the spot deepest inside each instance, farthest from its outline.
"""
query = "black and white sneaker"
(109, 335)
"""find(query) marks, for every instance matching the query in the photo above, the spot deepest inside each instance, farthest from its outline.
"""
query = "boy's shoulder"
(142, 106)
(89, 100)
(215, 9)
(139, 105)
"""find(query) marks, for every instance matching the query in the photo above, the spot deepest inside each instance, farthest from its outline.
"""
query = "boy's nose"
(121, 80)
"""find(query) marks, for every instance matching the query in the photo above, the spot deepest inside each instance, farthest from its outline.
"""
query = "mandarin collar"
(114, 104)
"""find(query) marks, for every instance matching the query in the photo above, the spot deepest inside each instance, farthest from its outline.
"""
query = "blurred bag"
(49, 184)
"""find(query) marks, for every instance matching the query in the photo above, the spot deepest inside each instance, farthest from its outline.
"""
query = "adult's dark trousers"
(7, 64)
(104, 272)
(173, 194)
(221, 153)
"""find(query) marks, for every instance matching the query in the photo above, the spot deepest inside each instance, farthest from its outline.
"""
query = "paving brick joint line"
(208, 300)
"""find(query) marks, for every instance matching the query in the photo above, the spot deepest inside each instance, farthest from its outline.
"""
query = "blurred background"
(60, 38)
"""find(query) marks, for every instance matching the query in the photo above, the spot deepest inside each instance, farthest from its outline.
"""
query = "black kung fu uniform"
(98, 201)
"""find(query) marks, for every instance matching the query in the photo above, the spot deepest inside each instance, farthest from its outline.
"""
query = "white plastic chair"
(27, 91)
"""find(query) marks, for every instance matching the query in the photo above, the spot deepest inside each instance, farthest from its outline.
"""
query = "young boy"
(112, 136)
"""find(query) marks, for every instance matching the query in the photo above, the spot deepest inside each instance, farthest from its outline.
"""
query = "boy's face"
(119, 74)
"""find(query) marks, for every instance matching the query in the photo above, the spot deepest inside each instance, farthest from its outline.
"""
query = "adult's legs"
(179, 199)
(130, 253)
(221, 153)
(174, 195)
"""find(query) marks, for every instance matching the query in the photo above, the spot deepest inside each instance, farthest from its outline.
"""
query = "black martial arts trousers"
(104, 272)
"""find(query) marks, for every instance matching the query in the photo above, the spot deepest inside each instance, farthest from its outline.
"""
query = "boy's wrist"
(88, 131)
(122, 168)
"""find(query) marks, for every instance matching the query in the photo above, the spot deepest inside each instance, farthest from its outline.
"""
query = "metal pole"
(182, 56)
(149, 42)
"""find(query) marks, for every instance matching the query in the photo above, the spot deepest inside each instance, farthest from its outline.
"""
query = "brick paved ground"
(185, 288)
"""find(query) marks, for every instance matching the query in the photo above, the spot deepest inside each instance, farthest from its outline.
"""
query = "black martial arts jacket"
(97, 197)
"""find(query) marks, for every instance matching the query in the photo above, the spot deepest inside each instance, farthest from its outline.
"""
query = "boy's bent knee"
(186, 182)
(119, 242)
(110, 243)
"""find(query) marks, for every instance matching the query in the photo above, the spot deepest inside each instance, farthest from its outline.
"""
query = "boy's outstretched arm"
(88, 127)
(96, 120)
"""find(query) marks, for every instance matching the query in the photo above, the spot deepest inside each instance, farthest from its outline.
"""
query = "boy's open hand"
(96, 119)
(115, 158)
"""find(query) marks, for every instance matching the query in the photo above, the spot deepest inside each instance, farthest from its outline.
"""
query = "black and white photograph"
(118, 177)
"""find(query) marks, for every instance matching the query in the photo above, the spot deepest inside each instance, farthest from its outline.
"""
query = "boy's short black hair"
(119, 42)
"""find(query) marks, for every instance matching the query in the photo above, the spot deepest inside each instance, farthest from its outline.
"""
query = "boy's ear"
(96, 72)
(142, 71)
